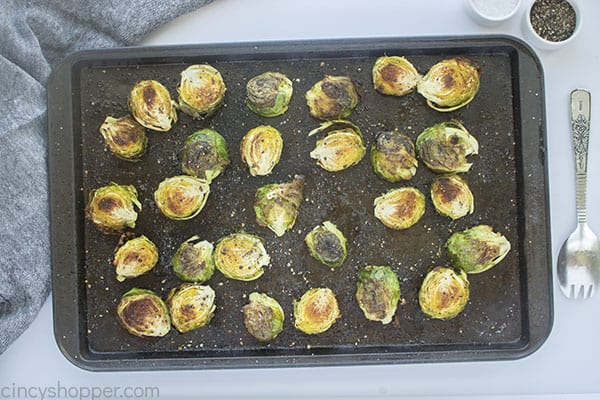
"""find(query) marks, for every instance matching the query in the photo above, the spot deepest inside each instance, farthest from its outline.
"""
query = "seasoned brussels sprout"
(444, 147)
(451, 196)
(181, 197)
(124, 137)
(393, 156)
(261, 149)
(341, 148)
(241, 256)
(327, 244)
(269, 94)
(276, 205)
(193, 260)
(400, 208)
(316, 311)
(444, 293)
(111, 207)
(135, 257)
(191, 306)
(378, 293)
(477, 249)
(333, 97)
(151, 105)
(450, 84)
(263, 317)
(143, 313)
(395, 76)
(205, 154)
(201, 91)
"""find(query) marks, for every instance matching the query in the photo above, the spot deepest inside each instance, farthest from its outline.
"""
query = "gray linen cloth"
(34, 36)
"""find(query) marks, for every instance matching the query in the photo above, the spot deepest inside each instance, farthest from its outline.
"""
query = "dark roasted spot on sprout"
(447, 190)
(258, 320)
(373, 298)
(339, 91)
(484, 251)
(391, 73)
(127, 133)
(317, 310)
(188, 311)
(328, 246)
(448, 80)
(139, 312)
(133, 257)
(405, 208)
(108, 204)
(149, 95)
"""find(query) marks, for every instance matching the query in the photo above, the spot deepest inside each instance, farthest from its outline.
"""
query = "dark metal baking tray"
(509, 314)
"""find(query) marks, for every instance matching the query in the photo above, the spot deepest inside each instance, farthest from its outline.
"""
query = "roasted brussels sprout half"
(205, 154)
(269, 94)
(393, 156)
(201, 91)
(112, 208)
(181, 197)
(327, 244)
(451, 196)
(477, 249)
(444, 147)
(341, 148)
(151, 105)
(378, 293)
(193, 260)
(395, 76)
(316, 311)
(276, 205)
(333, 97)
(261, 149)
(241, 256)
(263, 317)
(124, 137)
(135, 257)
(143, 313)
(444, 293)
(191, 306)
(450, 84)
(400, 208)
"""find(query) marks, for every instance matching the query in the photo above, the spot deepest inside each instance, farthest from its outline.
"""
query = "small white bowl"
(533, 38)
(492, 12)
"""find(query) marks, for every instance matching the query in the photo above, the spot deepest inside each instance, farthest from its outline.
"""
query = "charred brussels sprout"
(450, 84)
(451, 196)
(378, 293)
(333, 97)
(393, 156)
(477, 249)
(444, 147)
(276, 205)
(327, 244)
(316, 311)
(400, 208)
(143, 313)
(201, 91)
(124, 137)
(111, 207)
(191, 306)
(241, 256)
(193, 260)
(444, 293)
(135, 257)
(341, 148)
(205, 154)
(261, 149)
(269, 94)
(151, 105)
(263, 317)
(395, 76)
(181, 197)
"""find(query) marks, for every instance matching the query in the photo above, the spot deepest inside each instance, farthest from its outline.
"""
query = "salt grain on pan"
(495, 8)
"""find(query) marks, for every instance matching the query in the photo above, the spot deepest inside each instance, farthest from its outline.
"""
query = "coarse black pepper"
(553, 20)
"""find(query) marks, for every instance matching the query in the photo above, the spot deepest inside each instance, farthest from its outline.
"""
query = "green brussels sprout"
(241, 256)
(393, 156)
(400, 208)
(124, 137)
(205, 154)
(111, 207)
(316, 311)
(191, 306)
(444, 147)
(201, 91)
(444, 293)
(269, 94)
(193, 260)
(333, 97)
(151, 105)
(263, 317)
(327, 244)
(135, 257)
(451, 196)
(378, 293)
(477, 249)
(450, 84)
(395, 76)
(181, 197)
(261, 149)
(143, 313)
(341, 148)
(276, 205)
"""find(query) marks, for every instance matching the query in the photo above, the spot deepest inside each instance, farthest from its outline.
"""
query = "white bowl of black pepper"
(551, 24)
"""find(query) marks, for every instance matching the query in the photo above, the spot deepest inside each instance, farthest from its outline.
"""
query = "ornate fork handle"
(580, 135)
